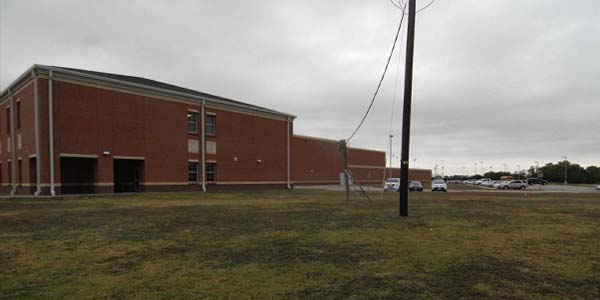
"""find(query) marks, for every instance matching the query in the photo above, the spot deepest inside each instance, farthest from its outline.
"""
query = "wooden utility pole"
(408, 77)
(344, 148)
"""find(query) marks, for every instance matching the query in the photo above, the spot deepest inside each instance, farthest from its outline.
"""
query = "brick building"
(66, 130)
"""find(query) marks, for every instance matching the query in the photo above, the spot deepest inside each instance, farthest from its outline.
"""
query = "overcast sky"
(498, 82)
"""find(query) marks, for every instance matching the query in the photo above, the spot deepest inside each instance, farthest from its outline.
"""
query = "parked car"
(513, 184)
(391, 185)
(416, 186)
(598, 187)
(439, 185)
(532, 181)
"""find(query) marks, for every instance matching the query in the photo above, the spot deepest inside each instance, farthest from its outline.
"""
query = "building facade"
(67, 130)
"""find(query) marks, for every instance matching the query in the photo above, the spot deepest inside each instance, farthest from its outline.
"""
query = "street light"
(475, 169)
(443, 167)
(391, 158)
(566, 162)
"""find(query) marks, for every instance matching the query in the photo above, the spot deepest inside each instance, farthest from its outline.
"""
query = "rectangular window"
(9, 172)
(211, 172)
(20, 170)
(211, 124)
(192, 122)
(192, 171)
(8, 120)
(18, 114)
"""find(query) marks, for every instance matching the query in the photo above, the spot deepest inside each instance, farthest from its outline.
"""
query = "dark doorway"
(77, 175)
(128, 175)
(32, 175)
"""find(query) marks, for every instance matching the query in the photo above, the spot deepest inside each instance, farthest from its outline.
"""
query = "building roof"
(141, 82)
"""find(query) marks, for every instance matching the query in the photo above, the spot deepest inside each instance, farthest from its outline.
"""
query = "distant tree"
(556, 172)
(592, 174)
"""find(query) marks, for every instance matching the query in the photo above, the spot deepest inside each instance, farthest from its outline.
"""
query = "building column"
(203, 145)
(289, 183)
(13, 149)
(38, 156)
(104, 174)
(51, 134)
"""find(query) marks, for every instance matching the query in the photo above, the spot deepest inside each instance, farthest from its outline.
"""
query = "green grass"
(301, 245)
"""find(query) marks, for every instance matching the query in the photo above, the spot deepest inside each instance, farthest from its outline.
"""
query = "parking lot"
(548, 188)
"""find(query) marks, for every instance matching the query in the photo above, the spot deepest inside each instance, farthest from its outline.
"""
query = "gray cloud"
(495, 81)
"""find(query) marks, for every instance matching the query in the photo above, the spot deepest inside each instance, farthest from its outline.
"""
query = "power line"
(401, 5)
(380, 80)
(426, 6)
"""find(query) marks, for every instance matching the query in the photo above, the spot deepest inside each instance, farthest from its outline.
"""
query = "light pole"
(566, 162)
(391, 159)
(475, 169)
(519, 171)
(443, 167)
(505, 168)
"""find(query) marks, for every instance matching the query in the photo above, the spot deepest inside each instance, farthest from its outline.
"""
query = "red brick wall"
(413, 174)
(242, 141)
(25, 96)
(317, 160)
(91, 120)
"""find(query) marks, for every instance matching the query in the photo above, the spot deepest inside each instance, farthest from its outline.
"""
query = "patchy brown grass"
(301, 245)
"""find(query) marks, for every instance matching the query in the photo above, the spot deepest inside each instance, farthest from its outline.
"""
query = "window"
(211, 172)
(9, 172)
(8, 120)
(20, 175)
(192, 122)
(192, 171)
(18, 114)
(211, 124)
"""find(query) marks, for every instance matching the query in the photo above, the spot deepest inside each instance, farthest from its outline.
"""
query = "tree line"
(553, 172)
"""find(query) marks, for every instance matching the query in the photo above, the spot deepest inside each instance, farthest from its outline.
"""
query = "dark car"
(531, 181)
(416, 186)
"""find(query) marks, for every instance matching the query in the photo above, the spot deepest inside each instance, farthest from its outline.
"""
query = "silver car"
(439, 185)
(513, 184)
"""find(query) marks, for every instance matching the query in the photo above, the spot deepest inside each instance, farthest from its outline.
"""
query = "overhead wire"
(362, 121)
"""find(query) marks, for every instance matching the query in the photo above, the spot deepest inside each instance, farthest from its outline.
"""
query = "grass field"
(301, 245)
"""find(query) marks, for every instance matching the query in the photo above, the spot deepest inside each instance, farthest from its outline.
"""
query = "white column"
(51, 133)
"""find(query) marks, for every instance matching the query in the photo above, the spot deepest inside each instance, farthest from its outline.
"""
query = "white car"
(439, 185)
(391, 185)
(598, 187)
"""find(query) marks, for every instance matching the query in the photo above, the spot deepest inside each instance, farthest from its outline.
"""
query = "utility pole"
(344, 148)
(408, 78)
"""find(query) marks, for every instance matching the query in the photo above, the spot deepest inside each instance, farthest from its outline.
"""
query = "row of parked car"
(506, 184)
(393, 185)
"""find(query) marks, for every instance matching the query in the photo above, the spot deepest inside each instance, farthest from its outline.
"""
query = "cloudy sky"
(496, 81)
